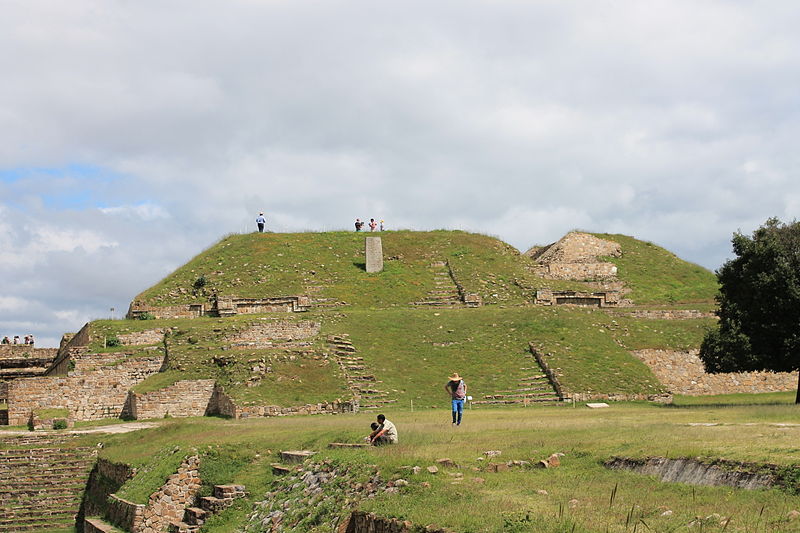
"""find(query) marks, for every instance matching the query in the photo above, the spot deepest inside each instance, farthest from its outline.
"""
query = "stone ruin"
(222, 306)
(575, 257)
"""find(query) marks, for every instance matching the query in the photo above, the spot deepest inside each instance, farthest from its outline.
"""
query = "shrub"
(59, 423)
(200, 282)
(112, 342)
(147, 316)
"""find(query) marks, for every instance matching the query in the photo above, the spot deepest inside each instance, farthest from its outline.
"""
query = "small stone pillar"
(374, 254)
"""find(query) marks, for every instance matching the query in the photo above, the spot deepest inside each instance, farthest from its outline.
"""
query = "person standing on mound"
(261, 221)
(458, 393)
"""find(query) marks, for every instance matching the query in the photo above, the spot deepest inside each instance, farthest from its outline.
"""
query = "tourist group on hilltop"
(28, 340)
(372, 225)
(261, 223)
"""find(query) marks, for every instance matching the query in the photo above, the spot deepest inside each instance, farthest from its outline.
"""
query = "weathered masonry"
(222, 307)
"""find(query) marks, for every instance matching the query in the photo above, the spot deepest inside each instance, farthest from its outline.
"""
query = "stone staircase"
(41, 488)
(444, 293)
(532, 387)
(195, 517)
(360, 381)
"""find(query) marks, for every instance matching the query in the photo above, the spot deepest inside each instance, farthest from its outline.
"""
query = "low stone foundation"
(90, 396)
(142, 338)
(166, 505)
(222, 404)
(182, 399)
(579, 298)
(665, 314)
(693, 472)
(363, 522)
(682, 372)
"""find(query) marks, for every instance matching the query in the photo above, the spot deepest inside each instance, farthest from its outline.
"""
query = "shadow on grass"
(362, 266)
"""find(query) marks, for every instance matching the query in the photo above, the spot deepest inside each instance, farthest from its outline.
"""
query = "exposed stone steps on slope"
(516, 401)
(98, 525)
(545, 394)
(41, 488)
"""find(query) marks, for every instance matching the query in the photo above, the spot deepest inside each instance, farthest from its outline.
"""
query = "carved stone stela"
(374, 254)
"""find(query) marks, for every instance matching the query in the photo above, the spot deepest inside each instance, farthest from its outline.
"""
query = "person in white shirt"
(386, 434)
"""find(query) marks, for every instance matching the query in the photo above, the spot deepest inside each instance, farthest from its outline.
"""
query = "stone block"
(374, 254)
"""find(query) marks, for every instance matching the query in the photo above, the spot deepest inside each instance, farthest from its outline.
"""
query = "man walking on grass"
(458, 393)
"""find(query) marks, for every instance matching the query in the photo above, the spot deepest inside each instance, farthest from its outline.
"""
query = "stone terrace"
(41, 488)
(682, 372)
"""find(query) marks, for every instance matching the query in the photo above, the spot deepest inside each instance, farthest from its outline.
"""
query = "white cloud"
(146, 211)
(674, 121)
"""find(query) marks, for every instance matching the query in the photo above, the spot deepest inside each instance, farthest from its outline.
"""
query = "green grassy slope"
(331, 265)
(412, 351)
(502, 500)
(657, 276)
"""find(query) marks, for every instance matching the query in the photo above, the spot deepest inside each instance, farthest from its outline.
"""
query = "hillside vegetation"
(331, 266)
(412, 349)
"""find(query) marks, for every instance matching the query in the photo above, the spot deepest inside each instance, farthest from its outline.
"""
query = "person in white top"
(386, 434)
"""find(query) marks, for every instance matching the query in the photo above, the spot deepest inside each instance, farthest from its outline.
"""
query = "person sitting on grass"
(375, 427)
(386, 433)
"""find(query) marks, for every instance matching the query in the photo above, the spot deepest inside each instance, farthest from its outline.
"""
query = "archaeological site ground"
(236, 393)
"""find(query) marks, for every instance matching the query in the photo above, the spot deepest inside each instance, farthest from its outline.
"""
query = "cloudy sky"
(134, 134)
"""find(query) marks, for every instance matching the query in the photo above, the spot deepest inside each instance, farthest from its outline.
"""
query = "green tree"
(759, 304)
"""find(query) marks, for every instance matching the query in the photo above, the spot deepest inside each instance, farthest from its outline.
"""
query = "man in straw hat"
(458, 393)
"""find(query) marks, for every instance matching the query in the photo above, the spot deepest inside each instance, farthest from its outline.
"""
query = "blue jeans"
(458, 409)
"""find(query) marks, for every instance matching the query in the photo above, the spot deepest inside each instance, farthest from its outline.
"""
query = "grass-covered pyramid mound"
(330, 267)
(406, 350)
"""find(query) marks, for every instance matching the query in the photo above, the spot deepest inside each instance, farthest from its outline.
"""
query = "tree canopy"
(759, 304)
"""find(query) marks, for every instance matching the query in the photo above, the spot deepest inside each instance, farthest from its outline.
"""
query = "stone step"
(98, 525)
(37, 486)
(366, 377)
(34, 520)
(512, 402)
(42, 452)
(38, 526)
(22, 471)
(543, 388)
(25, 513)
(534, 378)
(296, 456)
(523, 395)
(433, 304)
(182, 527)
(194, 516)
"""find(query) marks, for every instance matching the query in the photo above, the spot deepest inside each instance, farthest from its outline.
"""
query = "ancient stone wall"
(106, 478)
(142, 338)
(665, 314)
(682, 372)
(363, 522)
(169, 503)
(276, 330)
(20, 351)
(184, 398)
(137, 309)
(71, 345)
(574, 257)
(87, 396)
(222, 404)
(124, 514)
(166, 505)
(579, 298)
